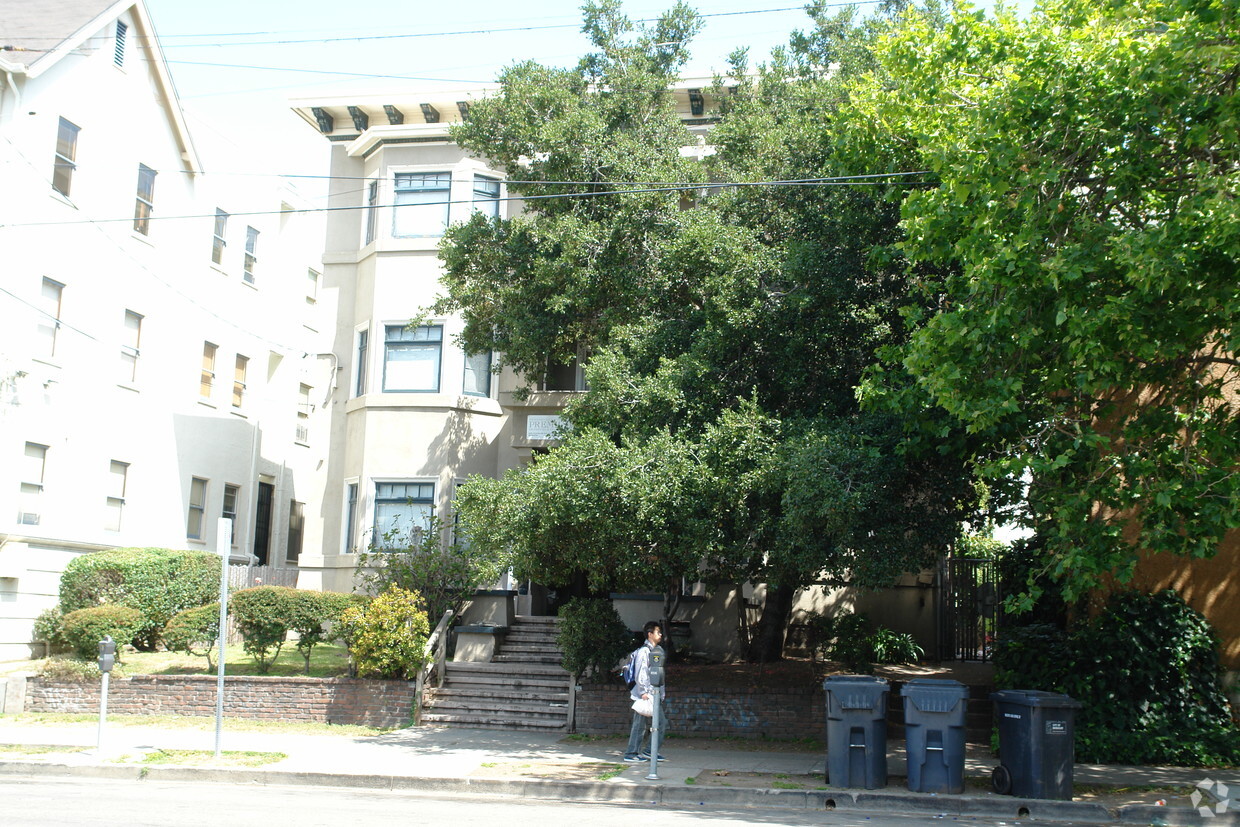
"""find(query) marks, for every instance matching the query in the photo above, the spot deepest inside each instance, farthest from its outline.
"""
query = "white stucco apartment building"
(165, 350)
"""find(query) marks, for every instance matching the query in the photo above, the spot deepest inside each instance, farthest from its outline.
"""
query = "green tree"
(1085, 226)
(727, 330)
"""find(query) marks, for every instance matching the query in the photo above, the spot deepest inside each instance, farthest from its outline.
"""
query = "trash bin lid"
(1035, 698)
(934, 695)
(856, 691)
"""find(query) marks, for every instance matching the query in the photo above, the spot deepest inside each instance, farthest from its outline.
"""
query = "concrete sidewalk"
(535, 765)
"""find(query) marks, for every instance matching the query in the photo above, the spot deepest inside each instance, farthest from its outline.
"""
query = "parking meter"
(656, 666)
(107, 654)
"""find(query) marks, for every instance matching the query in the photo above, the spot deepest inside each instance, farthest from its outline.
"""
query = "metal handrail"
(437, 644)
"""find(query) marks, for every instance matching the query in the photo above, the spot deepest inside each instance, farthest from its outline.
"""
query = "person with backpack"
(637, 670)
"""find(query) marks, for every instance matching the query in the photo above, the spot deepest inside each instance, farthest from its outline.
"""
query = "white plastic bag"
(644, 706)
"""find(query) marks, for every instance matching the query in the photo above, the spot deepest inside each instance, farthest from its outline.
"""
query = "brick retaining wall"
(794, 712)
(325, 700)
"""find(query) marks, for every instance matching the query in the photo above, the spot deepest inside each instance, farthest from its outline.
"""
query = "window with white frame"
(411, 357)
(118, 54)
(296, 531)
(34, 466)
(304, 407)
(312, 285)
(372, 210)
(50, 299)
(363, 338)
(66, 157)
(118, 481)
(421, 204)
(131, 337)
(486, 196)
(350, 517)
(251, 255)
(145, 202)
(239, 371)
(219, 237)
(402, 513)
(207, 383)
(477, 374)
(228, 508)
(196, 519)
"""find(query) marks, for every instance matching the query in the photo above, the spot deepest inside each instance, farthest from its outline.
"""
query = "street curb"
(642, 793)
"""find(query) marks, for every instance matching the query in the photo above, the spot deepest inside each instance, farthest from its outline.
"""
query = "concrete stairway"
(522, 688)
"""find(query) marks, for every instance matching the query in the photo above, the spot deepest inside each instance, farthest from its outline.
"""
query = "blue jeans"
(639, 732)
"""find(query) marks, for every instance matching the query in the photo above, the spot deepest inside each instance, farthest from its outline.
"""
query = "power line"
(853, 180)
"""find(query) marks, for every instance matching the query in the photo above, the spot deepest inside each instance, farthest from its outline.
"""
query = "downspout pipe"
(17, 95)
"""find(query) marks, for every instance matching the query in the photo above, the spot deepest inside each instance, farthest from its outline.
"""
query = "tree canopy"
(1083, 235)
(726, 327)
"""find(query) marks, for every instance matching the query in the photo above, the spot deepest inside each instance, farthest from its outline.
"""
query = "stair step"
(532, 670)
(467, 706)
(543, 660)
(488, 722)
(490, 695)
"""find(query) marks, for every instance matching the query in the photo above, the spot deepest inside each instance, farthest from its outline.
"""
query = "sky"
(236, 64)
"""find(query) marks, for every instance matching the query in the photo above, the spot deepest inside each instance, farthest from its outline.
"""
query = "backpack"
(628, 673)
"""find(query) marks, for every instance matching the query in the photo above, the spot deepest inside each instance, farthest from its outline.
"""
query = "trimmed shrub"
(592, 637)
(194, 631)
(47, 628)
(313, 614)
(264, 616)
(158, 582)
(84, 628)
(387, 636)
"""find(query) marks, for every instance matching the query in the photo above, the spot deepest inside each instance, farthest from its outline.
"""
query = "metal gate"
(968, 608)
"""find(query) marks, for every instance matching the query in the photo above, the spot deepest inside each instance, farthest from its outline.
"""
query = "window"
(421, 204)
(66, 157)
(486, 196)
(312, 286)
(562, 377)
(146, 200)
(118, 479)
(304, 407)
(363, 337)
(49, 320)
(239, 380)
(119, 55)
(478, 374)
(232, 494)
(296, 530)
(402, 513)
(208, 370)
(372, 210)
(411, 358)
(29, 510)
(197, 508)
(219, 238)
(350, 518)
(131, 336)
(251, 259)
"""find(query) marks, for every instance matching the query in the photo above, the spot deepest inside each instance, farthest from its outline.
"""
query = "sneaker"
(645, 756)
(634, 759)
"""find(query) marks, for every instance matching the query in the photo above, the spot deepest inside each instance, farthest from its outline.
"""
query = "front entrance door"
(262, 522)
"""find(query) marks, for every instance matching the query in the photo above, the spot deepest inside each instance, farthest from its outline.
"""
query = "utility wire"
(855, 180)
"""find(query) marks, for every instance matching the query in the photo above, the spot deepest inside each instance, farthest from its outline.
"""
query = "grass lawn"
(326, 661)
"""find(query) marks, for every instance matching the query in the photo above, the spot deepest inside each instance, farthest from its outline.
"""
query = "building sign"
(545, 426)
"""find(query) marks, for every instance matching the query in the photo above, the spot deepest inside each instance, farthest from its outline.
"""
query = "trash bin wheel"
(1001, 780)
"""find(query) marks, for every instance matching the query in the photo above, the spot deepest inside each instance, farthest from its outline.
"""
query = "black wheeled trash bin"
(934, 724)
(1036, 739)
(856, 731)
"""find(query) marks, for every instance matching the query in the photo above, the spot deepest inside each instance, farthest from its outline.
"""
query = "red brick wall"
(326, 700)
(795, 712)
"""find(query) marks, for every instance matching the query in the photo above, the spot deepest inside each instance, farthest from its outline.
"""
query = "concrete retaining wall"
(325, 700)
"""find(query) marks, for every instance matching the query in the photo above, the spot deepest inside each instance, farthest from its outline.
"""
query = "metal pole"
(103, 713)
(657, 696)
(223, 542)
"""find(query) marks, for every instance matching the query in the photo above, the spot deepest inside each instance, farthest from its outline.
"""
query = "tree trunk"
(768, 635)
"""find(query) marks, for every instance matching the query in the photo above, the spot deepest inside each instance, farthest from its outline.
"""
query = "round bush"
(84, 628)
(158, 582)
(387, 636)
(264, 616)
(592, 637)
(194, 631)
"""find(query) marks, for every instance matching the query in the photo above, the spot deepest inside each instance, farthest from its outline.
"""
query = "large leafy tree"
(728, 327)
(1086, 229)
